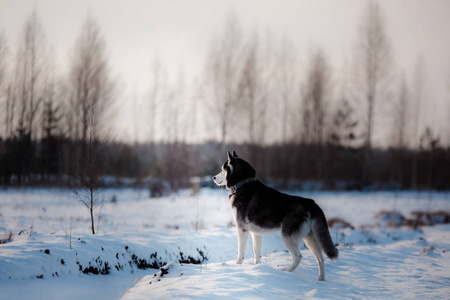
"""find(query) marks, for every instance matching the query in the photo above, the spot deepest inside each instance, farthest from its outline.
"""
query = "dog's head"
(234, 170)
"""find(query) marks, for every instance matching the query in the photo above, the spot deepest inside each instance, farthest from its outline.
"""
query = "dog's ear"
(230, 157)
(235, 154)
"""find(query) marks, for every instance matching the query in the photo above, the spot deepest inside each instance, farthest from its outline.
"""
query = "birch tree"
(252, 91)
(4, 99)
(30, 67)
(222, 74)
(373, 59)
(401, 112)
(91, 98)
(417, 96)
(316, 96)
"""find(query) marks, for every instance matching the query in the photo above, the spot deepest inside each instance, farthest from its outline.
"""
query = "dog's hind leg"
(257, 246)
(295, 227)
(314, 247)
(242, 244)
(292, 245)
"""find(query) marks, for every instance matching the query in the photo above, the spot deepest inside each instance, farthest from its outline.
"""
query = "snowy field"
(184, 246)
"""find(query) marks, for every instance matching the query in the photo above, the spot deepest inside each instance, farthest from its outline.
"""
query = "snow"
(52, 249)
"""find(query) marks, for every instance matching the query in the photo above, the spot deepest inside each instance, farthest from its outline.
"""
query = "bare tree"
(373, 60)
(31, 60)
(92, 86)
(400, 131)
(86, 172)
(286, 81)
(417, 96)
(222, 69)
(252, 95)
(91, 97)
(284, 91)
(173, 103)
(400, 114)
(24, 97)
(316, 95)
(10, 105)
(4, 99)
(9, 88)
(448, 107)
(157, 88)
(176, 157)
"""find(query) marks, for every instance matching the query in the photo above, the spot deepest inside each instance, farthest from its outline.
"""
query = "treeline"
(169, 167)
(296, 123)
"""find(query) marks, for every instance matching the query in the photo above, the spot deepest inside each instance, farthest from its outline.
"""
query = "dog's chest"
(240, 204)
(239, 208)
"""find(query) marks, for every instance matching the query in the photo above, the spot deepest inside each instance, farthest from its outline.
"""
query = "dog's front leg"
(257, 246)
(242, 244)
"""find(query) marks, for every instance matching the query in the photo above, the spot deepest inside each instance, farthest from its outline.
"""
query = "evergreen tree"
(51, 144)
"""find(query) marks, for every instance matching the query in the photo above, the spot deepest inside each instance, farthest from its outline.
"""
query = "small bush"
(419, 218)
(158, 188)
(392, 218)
(7, 237)
(339, 223)
(424, 218)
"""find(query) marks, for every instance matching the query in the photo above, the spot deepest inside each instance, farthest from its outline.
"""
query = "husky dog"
(258, 210)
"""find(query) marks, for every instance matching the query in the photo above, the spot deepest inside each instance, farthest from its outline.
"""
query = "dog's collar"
(235, 187)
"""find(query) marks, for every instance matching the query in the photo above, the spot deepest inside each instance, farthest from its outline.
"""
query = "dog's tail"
(322, 236)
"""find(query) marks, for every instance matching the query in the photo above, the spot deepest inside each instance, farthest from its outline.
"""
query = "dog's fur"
(259, 209)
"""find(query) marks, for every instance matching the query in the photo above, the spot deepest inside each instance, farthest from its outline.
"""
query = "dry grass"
(426, 218)
(7, 237)
(339, 223)
(391, 218)
(419, 218)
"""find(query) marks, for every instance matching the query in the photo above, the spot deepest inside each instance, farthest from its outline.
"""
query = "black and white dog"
(259, 209)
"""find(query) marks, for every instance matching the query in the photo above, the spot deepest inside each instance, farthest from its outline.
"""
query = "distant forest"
(301, 128)
(174, 165)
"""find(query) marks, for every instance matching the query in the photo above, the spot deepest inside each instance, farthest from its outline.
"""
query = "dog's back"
(269, 209)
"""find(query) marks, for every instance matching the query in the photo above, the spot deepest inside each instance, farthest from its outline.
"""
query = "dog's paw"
(288, 269)
(257, 261)
(239, 260)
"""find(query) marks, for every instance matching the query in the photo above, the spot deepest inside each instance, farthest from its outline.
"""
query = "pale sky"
(180, 31)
